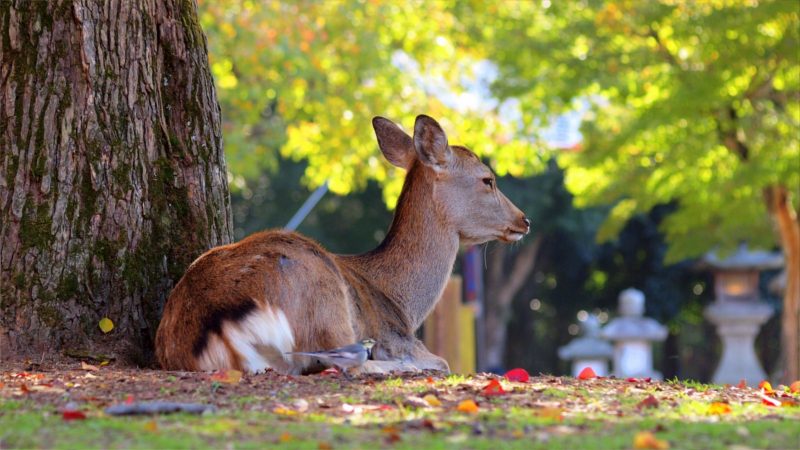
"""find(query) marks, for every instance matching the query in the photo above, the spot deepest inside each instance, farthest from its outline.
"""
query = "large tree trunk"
(113, 177)
(505, 278)
(785, 217)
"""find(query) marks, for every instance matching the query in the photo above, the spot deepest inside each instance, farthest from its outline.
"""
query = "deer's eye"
(488, 181)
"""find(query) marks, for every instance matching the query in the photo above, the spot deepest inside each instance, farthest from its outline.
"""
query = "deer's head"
(463, 191)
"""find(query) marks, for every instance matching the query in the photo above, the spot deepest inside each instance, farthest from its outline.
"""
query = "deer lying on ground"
(245, 305)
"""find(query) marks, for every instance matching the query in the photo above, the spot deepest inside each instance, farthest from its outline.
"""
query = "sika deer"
(244, 305)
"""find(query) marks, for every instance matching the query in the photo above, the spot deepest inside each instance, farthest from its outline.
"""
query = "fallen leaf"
(85, 366)
(646, 440)
(632, 380)
(769, 401)
(742, 384)
(330, 371)
(324, 446)
(518, 374)
(230, 376)
(766, 387)
(24, 388)
(431, 400)
(649, 402)
(284, 411)
(129, 399)
(550, 413)
(795, 387)
(73, 415)
(467, 406)
(429, 380)
(104, 363)
(493, 388)
(106, 325)
(286, 437)
(151, 426)
(719, 408)
(587, 374)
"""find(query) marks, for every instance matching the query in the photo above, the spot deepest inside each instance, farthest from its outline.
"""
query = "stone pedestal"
(589, 350)
(633, 334)
(738, 323)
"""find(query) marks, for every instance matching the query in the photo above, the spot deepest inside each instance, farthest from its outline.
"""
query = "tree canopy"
(687, 102)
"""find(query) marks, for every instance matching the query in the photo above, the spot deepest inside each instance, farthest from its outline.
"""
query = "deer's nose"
(527, 222)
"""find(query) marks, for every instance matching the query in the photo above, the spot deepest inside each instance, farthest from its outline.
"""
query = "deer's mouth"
(513, 235)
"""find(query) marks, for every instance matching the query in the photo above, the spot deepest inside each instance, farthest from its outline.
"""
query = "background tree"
(688, 102)
(113, 173)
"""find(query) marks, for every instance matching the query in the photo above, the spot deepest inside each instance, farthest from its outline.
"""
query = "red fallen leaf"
(769, 401)
(129, 399)
(493, 388)
(518, 374)
(648, 379)
(742, 384)
(649, 402)
(329, 371)
(587, 374)
(766, 387)
(795, 387)
(632, 380)
(73, 415)
(24, 388)
(429, 380)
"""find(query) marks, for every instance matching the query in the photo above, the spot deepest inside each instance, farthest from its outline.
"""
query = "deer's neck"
(414, 262)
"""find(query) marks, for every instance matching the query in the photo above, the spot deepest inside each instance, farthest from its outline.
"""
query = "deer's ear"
(431, 143)
(395, 144)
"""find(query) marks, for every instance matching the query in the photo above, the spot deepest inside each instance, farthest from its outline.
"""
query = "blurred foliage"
(308, 76)
(694, 102)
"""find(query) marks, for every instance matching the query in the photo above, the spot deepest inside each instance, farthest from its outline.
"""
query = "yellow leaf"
(646, 440)
(106, 324)
(467, 406)
(151, 426)
(284, 411)
(431, 400)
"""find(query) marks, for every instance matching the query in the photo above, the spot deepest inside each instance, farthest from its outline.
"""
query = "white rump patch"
(215, 356)
(260, 330)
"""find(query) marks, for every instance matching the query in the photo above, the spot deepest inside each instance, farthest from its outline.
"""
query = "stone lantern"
(738, 312)
(589, 350)
(633, 334)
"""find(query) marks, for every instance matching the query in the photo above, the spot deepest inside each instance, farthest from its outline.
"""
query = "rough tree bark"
(783, 214)
(113, 177)
(506, 275)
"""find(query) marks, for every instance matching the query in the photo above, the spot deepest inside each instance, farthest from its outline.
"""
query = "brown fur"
(334, 300)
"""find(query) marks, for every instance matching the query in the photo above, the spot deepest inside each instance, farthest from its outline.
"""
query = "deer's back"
(272, 290)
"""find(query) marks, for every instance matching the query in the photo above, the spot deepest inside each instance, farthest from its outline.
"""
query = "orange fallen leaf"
(230, 376)
(467, 406)
(795, 387)
(429, 380)
(587, 374)
(766, 387)
(648, 402)
(286, 437)
(646, 440)
(151, 426)
(24, 388)
(550, 413)
(719, 408)
(493, 388)
(324, 446)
